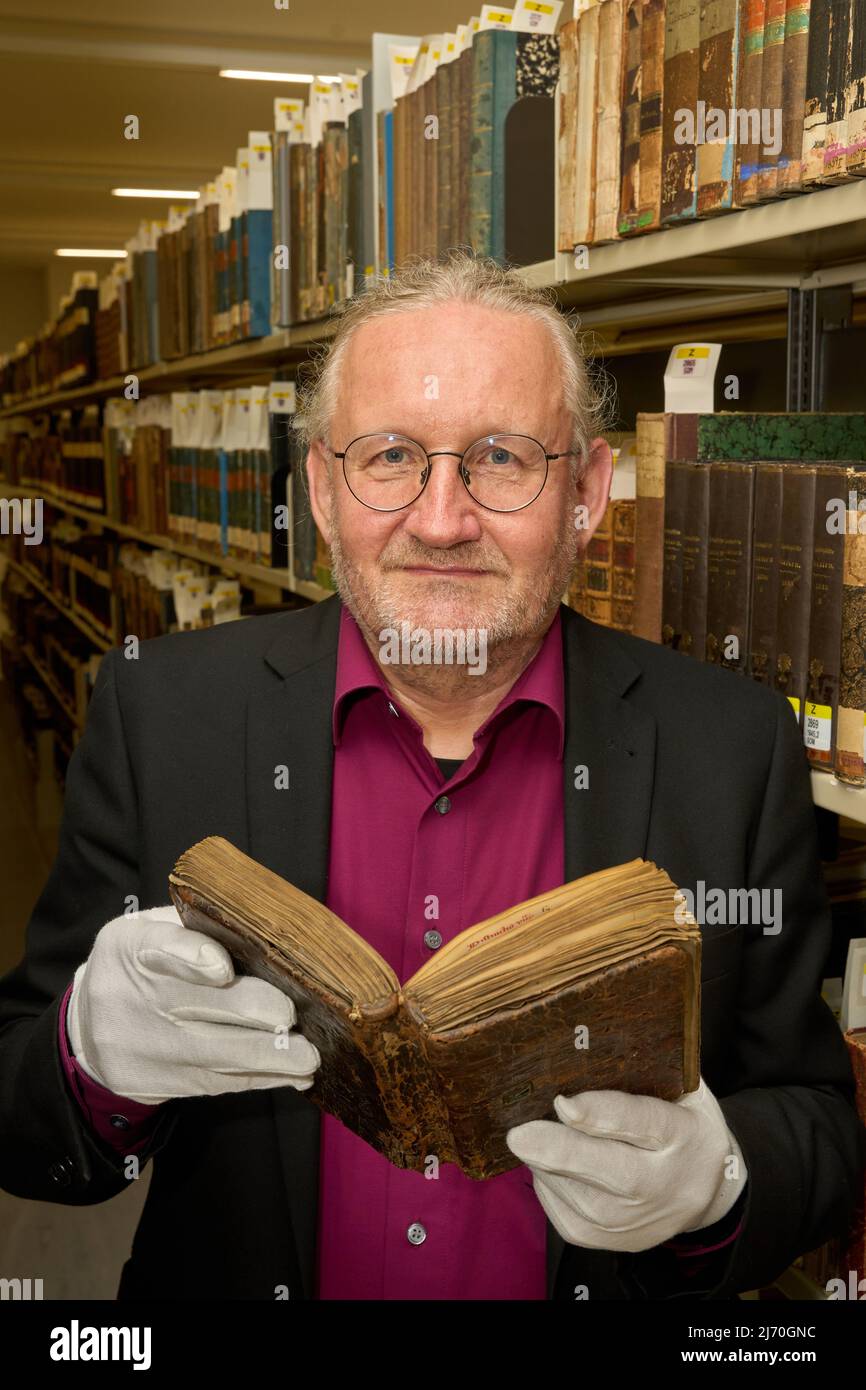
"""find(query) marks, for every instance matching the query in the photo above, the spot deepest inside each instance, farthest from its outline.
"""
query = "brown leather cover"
(411, 1093)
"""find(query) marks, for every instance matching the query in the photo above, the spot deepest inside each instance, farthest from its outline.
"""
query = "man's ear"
(594, 486)
(319, 483)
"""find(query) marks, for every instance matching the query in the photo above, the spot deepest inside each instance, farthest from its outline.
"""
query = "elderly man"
(455, 469)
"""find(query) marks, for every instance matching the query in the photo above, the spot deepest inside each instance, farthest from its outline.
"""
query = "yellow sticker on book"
(693, 352)
(817, 722)
(795, 704)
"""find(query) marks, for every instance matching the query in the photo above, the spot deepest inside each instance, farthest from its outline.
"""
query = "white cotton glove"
(157, 1012)
(624, 1172)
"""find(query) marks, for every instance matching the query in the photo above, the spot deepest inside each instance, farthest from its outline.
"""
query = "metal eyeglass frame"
(453, 453)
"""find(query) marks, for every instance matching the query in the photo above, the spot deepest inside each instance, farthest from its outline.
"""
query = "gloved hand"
(157, 1012)
(624, 1172)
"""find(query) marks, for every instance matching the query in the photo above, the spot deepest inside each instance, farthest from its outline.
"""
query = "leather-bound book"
(672, 573)
(587, 126)
(812, 436)
(681, 73)
(825, 621)
(719, 62)
(765, 573)
(794, 564)
(849, 765)
(464, 85)
(594, 985)
(652, 449)
(652, 46)
(608, 121)
(853, 1253)
(795, 56)
(772, 76)
(855, 107)
(442, 156)
(566, 136)
(729, 564)
(661, 438)
(623, 566)
(598, 571)
(815, 105)
(749, 81)
(695, 537)
(629, 193)
(838, 74)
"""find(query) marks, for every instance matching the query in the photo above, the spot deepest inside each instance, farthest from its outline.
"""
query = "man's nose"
(444, 504)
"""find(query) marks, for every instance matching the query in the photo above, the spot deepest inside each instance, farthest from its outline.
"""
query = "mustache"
(455, 557)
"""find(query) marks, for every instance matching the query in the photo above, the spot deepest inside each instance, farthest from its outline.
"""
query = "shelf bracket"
(812, 314)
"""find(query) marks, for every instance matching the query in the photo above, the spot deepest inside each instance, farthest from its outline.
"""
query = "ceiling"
(70, 71)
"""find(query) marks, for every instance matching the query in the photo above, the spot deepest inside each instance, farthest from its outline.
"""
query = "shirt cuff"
(123, 1124)
(709, 1239)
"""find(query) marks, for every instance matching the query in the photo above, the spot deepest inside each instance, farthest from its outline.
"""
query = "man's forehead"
(449, 358)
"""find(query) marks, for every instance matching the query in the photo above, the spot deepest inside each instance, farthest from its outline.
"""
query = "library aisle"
(261, 268)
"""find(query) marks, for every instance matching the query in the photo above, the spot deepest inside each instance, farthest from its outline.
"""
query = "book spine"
(855, 102)
(623, 565)
(771, 98)
(765, 575)
(608, 134)
(598, 581)
(587, 126)
(749, 80)
(794, 562)
(442, 150)
(429, 167)
(815, 105)
(794, 61)
(718, 66)
(729, 564)
(649, 524)
(652, 91)
(825, 622)
(850, 754)
(466, 63)
(695, 536)
(566, 143)
(672, 579)
(839, 60)
(630, 92)
(679, 109)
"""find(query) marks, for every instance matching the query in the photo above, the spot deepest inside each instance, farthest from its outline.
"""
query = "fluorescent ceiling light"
(248, 75)
(91, 254)
(155, 192)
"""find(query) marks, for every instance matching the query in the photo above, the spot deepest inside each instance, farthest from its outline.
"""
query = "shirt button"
(62, 1171)
(119, 1121)
(416, 1233)
(443, 805)
(433, 939)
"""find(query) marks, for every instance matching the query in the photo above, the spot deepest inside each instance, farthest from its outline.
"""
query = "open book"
(591, 986)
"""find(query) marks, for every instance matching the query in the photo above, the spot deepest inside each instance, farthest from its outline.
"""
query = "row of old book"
(698, 108)
(222, 471)
(745, 547)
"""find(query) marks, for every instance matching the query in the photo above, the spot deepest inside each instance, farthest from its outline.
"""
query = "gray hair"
(469, 279)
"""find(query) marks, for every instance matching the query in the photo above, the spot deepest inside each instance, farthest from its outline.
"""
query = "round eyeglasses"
(501, 472)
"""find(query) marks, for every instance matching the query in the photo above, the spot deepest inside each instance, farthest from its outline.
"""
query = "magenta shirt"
(407, 844)
(412, 853)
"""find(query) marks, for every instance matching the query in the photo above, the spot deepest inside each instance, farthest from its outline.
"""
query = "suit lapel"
(288, 739)
(607, 819)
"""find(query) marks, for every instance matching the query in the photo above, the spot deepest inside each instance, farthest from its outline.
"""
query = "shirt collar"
(540, 683)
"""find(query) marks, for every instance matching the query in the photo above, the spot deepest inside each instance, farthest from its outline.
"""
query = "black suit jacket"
(688, 766)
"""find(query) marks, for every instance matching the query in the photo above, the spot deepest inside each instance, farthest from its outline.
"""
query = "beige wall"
(23, 308)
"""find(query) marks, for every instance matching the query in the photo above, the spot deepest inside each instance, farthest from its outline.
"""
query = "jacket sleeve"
(48, 1151)
(790, 1101)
